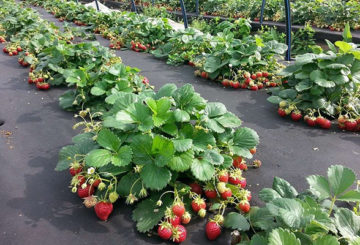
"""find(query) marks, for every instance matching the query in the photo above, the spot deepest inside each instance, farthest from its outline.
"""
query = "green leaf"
(201, 140)
(107, 139)
(140, 114)
(202, 170)
(303, 85)
(268, 194)
(127, 183)
(347, 222)
(246, 137)
(283, 237)
(160, 109)
(214, 126)
(343, 46)
(326, 240)
(97, 91)
(164, 150)
(215, 109)
(147, 214)
(98, 158)
(284, 188)
(288, 210)
(288, 94)
(262, 218)
(182, 145)
(141, 147)
(236, 221)
(181, 116)
(325, 83)
(289, 70)
(122, 157)
(166, 91)
(319, 186)
(154, 177)
(213, 157)
(67, 99)
(274, 99)
(229, 120)
(258, 240)
(356, 241)
(340, 179)
(350, 196)
(182, 162)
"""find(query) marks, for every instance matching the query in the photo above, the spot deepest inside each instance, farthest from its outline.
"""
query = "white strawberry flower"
(230, 65)
(91, 170)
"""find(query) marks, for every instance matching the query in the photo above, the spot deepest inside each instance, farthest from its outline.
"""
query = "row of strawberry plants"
(227, 58)
(139, 144)
(332, 14)
(154, 130)
(229, 64)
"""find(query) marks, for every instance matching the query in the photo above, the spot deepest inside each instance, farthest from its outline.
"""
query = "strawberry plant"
(322, 85)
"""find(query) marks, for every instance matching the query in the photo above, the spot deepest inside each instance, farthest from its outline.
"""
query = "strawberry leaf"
(246, 137)
(123, 156)
(215, 109)
(98, 158)
(236, 221)
(182, 145)
(163, 150)
(108, 140)
(127, 183)
(202, 170)
(229, 120)
(141, 147)
(154, 177)
(181, 161)
(283, 237)
(181, 116)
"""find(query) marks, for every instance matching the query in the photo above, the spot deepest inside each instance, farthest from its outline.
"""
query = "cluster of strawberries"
(2, 39)
(139, 47)
(84, 184)
(38, 79)
(12, 50)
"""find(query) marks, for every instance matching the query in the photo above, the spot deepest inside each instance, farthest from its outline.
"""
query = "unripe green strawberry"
(202, 212)
(101, 186)
(113, 196)
(283, 104)
(221, 186)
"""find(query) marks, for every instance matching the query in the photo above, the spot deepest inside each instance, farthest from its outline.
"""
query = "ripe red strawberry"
(145, 80)
(164, 230)
(244, 206)
(103, 210)
(341, 122)
(350, 125)
(87, 191)
(281, 112)
(74, 171)
(213, 230)
(243, 86)
(174, 220)
(40, 79)
(260, 86)
(5, 50)
(179, 234)
(311, 121)
(211, 194)
(195, 187)
(296, 115)
(253, 150)
(258, 74)
(246, 75)
(190, 63)
(186, 218)
(30, 81)
(323, 122)
(223, 176)
(265, 74)
(253, 76)
(226, 194)
(19, 49)
(96, 183)
(15, 52)
(248, 196)
(42, 86)
(225, 82)
(198, 204)
(178, 209)
(243, 182)
(81, 180)
(254, 88)
(234, 180)
(272, 84)
(236, 85)
(247, 80)
(204, 75)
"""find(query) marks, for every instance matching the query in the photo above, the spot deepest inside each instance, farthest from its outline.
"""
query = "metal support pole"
(288, 29)
(262, 11)
(133, 6)
(183, 10)
(97, 5)
(197, 7)
(153, 2)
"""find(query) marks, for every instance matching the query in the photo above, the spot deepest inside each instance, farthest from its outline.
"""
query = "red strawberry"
(42, 86)
(195, 187)
(191, 63)
(244, 206)
(223, 176)
(145, 80)
(19, 49)
(40, 79)
(243, 182)
(30, 80)
(323, 122)
(243, 86)
(103, 210)
(258, 74)
(296, 115)
(226, 194)
(96, 183)
(253, 76)
(265, 74)
(311, 121)
(164, 230)
(179, 234)
(198, 204)
(178, 209)
(253, 150)
(254, 88)
(341, 122)
(225, 82)
(350, 125)
(87, 191)
(281, 112)
(81, 180)
(246, 75)
(213, 230)
(236, 85)
(211, 194)
(272, 84)
(74, 171)
(15, 52)
(247, 80)
(175, 220)
(260, 86)
(234, 180)
(204, 75)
